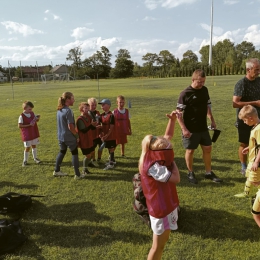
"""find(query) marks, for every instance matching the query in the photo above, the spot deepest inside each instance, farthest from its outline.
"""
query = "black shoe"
(213, 177)
(86, 171)
(92, 165)
(192, 178)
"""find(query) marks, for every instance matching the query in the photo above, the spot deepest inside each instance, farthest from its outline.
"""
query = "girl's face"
(120, 103)
(92, 106)
(28, 109)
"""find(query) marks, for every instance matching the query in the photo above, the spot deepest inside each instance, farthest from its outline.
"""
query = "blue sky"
(45, 31)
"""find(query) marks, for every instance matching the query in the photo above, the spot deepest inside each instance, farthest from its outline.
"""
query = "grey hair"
(251, 62)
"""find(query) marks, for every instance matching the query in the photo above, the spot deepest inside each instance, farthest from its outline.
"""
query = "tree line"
(227, 59)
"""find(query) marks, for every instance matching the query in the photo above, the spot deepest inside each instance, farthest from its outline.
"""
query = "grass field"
(93, 218)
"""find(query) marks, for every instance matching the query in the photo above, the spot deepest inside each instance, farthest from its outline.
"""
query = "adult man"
(247, 92)
(194, 104)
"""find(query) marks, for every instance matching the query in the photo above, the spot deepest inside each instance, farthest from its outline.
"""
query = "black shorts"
(243, 132)
(110, 144)
(97, 142)
(87, 150)
(192, 143)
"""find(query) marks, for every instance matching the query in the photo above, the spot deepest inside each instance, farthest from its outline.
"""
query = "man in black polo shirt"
(195, 106)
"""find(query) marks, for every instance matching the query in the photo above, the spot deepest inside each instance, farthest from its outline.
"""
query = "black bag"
(12, 202)
(11, 236)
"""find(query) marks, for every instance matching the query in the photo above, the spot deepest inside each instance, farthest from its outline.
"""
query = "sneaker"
(192, 178)
(108, 163)
(123, 156)
(24, 163)
(241, 195)
(110, 166)
(92, 165)
(82, 176)
(213, 177)
(95, 163)
(85, 172)
(37, 160)
(59, 174)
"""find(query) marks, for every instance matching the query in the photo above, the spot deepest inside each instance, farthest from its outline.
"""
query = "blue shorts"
(192, 143)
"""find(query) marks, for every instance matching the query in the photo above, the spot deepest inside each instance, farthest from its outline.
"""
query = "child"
(27, 123)
(96, 139)
(159, 174)
(122, 123)
(107, 133)
(250, 117)
(84, 126)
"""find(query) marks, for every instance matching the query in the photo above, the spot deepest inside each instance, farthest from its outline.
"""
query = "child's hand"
(94, 123)
(174, 114)
(255, 166)
(245, 150)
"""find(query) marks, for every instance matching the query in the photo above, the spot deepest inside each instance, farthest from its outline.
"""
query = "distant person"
(122, 123)
(95, 132)
(85, 125)
(67, 135)
(107, 134)
(195, 106)
(246, 92)
(159, 176)
(27, 123)
(250, 117)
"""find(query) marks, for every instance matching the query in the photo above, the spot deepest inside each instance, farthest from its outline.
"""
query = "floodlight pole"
(21, 72)
(98, 87)
(211, 30)
(37, 71)
(11, 80)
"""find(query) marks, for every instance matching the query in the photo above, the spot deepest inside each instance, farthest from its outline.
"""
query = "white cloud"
(153, 4)
(45, 18)
(149, 18)
(80, 32)
(47, 11)
(21, 28)
(13, 39)
(230, 2)
(253, 34)
(55, 17)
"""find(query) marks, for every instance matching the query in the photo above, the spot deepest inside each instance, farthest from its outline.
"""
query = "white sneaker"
(110, 166)
(60, 173)
(108, 163)
(82, 176)
(95, 163)
(24, 163)
(37, 160)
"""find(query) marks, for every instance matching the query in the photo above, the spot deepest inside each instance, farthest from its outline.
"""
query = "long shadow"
(15, 185)
(217, 224)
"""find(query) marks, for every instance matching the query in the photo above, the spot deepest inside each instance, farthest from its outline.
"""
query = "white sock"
(34, 153)
(25, 156)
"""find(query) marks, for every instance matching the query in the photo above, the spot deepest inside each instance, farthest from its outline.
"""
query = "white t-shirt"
(159, 172)
(20, 120)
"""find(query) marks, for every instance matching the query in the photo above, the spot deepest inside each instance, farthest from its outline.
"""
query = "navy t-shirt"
(194, 103)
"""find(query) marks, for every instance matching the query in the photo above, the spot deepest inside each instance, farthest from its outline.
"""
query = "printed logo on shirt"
(194, 97)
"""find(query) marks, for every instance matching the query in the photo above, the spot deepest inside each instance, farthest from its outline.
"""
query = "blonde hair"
(92, 100)
(62, 99)
(247, 111)
(120, 97)
(27, 104)
(82, 104)
(151, 142)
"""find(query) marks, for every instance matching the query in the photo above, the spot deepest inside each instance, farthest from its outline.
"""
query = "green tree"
(166, 61)
(150, 59)
(123, 65)
(190, 59)
(75, 56)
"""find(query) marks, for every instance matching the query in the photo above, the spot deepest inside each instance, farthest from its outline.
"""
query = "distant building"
(60, 69)
(3, 77)
(32, 72)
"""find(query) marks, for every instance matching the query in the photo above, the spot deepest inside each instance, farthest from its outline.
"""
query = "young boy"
(250, 117)
(27, 123)
(95, 132)
(84, 126)
(107, 133)
(122, 123)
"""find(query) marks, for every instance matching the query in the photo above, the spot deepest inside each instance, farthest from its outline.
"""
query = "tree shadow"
(217, 224)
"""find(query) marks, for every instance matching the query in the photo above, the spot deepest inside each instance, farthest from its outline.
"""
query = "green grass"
(93, 218)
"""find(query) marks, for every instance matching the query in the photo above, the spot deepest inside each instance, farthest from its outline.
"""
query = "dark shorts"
(110, 144)
(243, 132)
(192, 143)
(87, 150)
(97, 142)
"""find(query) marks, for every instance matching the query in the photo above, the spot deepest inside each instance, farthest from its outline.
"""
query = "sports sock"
(243, 166)
(247, 187)
(25, 156)
(85, 162)
(34, 153)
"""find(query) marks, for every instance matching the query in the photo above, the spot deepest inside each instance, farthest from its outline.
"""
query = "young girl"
(84, 126)
(122, 123)
(27, 123)
(159, 174)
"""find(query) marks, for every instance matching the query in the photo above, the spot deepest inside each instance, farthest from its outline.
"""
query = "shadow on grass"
(217, 224)
(21, 186)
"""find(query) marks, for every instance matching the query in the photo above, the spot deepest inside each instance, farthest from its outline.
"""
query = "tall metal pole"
(37, 71)
(11, 80)
(211, 30)
(21, 71)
